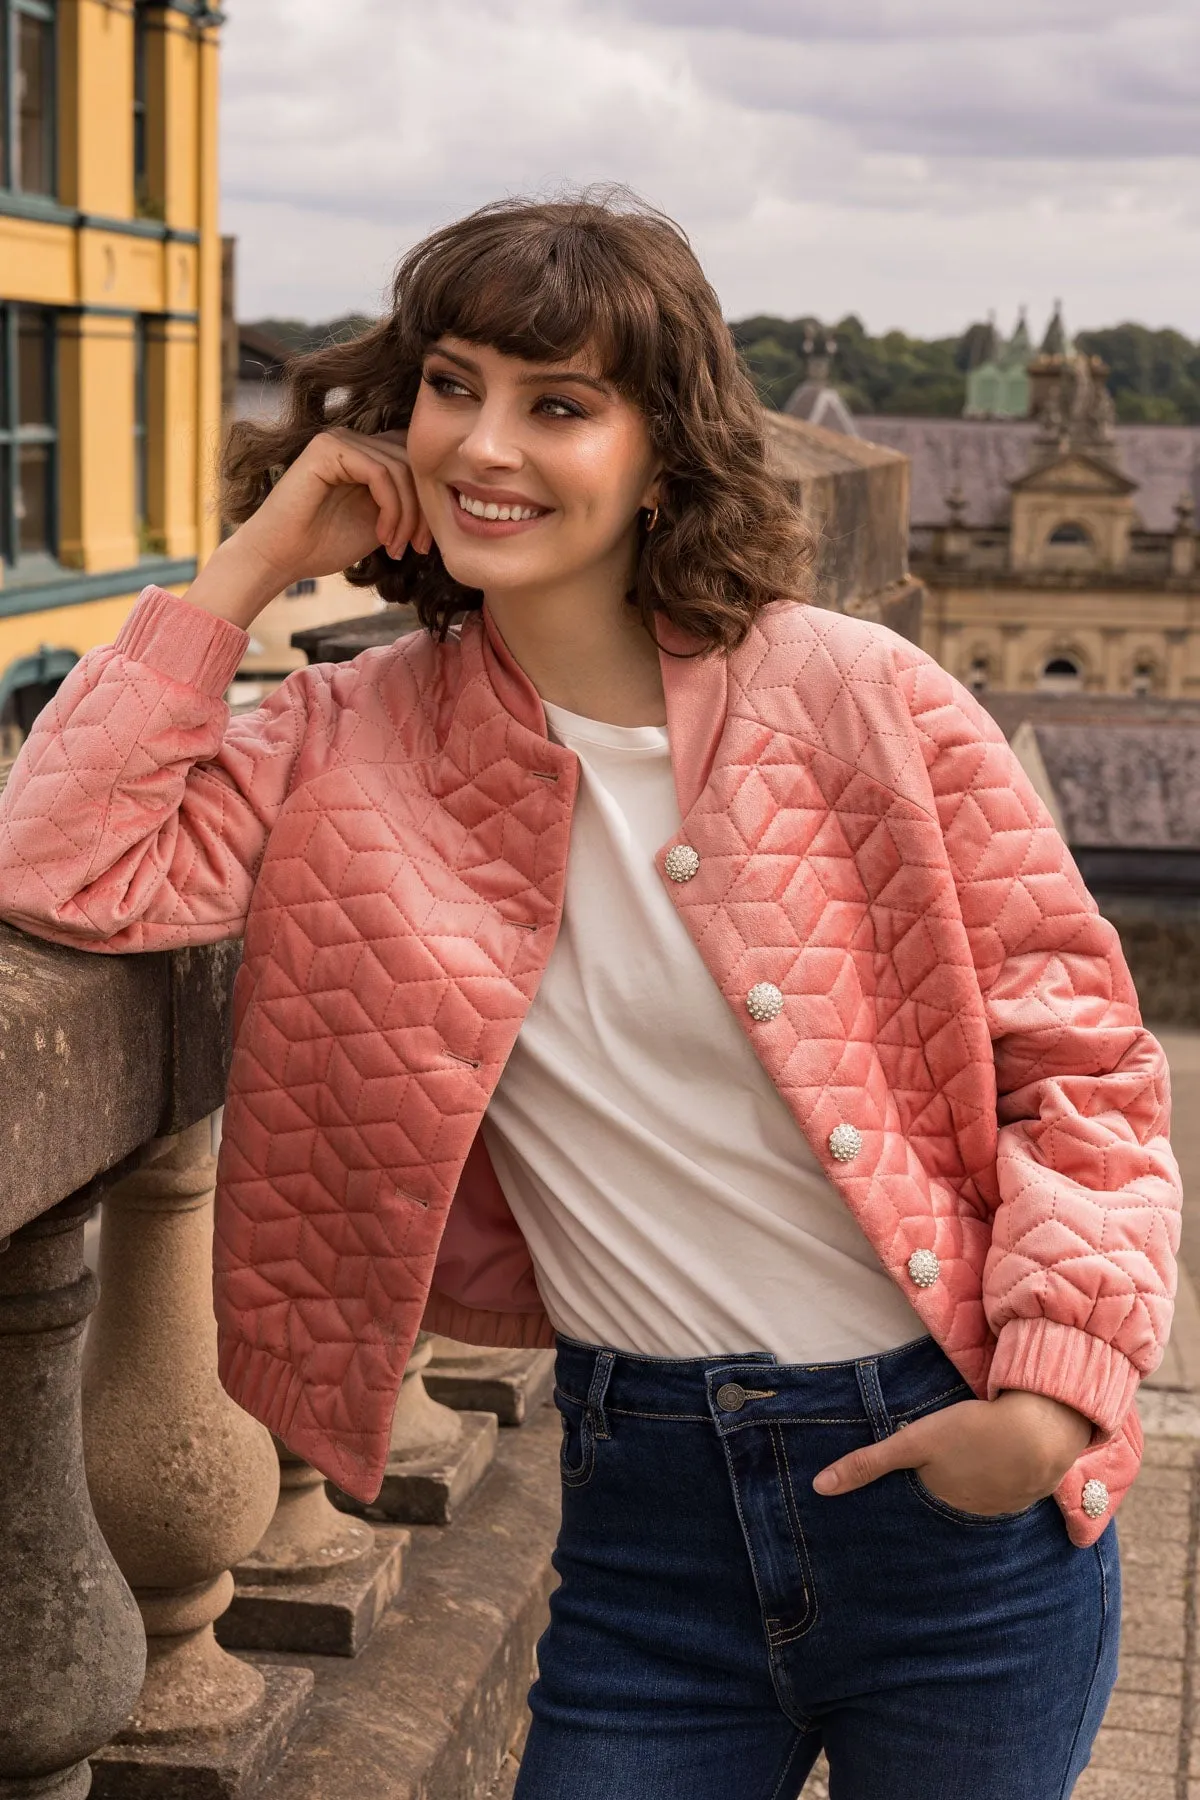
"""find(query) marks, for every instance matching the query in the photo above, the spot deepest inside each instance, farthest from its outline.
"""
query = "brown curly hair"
(543, 281)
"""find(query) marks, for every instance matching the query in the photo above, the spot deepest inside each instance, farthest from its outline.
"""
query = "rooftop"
(981, 457)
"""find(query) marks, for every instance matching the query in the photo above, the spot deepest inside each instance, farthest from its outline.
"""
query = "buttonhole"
(403, 1194)
(543, 775)
(522, 924)
(470, 1061)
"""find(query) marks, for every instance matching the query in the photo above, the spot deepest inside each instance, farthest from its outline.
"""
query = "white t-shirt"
(671, 1204)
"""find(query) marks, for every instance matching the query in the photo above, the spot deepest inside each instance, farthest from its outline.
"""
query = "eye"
(448, 386)
(557, 406)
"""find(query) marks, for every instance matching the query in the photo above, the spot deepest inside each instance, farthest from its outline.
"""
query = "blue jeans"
(718, 1623)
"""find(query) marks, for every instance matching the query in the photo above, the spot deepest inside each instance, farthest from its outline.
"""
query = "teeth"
(489, 509)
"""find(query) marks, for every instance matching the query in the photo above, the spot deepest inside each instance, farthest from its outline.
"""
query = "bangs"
(541, 296)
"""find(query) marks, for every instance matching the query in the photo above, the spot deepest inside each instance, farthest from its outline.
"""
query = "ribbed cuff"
(1041, 1356)
(496, 1330)
(185, 643)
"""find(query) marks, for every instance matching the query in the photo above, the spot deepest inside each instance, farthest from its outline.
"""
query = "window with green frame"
(28, 84)
(28, 435)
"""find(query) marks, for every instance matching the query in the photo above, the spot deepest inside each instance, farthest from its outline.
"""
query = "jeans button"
(731, 1397)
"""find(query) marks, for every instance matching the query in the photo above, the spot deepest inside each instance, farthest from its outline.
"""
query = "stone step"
(433, 1703)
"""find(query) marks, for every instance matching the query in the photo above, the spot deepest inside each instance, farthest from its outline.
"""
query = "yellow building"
(110, 322)
(1059, 551)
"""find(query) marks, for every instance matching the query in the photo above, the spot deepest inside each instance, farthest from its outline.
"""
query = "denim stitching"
(737, 1502)
(601, 1375)
(874, 1404)
(633, 1412)
(809, 1619)
(1087, 1698)
(944, 1510)
(914, 1412)
(781, 1419)
(789, 1762)
(580, 1475)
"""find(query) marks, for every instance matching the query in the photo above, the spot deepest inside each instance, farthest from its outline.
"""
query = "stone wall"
(1161, 941)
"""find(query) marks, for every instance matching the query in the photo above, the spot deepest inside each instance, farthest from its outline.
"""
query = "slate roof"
(1125, 786)
(1011, 708)
(982, 456)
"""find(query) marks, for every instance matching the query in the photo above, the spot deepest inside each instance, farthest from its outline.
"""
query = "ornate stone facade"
(1058, 551)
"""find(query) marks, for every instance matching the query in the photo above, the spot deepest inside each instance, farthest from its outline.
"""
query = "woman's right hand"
(345, 495)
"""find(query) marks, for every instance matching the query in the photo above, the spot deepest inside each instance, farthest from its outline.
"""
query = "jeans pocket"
(943, 1508)
(577, 1453)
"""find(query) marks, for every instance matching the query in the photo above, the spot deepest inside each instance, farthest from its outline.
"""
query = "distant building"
(1058, 551)
(815, 400)
(1121, 777)
(110, 329)
(997, 374)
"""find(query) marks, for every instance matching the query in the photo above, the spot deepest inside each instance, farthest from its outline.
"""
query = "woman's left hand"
(981, 1456)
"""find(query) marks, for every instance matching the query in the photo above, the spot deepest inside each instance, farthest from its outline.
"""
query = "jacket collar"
(696, 686)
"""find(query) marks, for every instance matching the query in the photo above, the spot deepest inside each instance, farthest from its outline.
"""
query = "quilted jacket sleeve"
(137, 811)
(1080, 1278)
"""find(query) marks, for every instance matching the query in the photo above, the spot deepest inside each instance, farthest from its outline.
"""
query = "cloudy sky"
(915, 161)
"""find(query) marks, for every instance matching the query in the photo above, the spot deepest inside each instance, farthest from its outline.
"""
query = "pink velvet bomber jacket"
(946, 1014)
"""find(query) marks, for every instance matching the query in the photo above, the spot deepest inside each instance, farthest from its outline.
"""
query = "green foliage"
(1155, 375)
(890, 374)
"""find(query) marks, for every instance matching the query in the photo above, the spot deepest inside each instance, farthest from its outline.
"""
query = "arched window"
(1145, 675)
(979, 673)
(1060, 674)
(1070, 533)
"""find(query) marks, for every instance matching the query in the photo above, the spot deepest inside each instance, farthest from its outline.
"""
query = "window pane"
(6, 179)
(140, 472)
(33, 367)
(139, 101)
(5, 501)
(33, 498)
(33, 98)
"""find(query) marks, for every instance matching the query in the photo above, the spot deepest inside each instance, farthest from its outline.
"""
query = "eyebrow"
(532, 380)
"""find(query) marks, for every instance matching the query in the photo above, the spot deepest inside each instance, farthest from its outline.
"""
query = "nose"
(492, 441)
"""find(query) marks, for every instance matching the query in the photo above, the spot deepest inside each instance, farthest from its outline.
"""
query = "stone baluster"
(319, 1580)
(72, 1649)
(184, 1484)
(509, 1383)
(437, 1456)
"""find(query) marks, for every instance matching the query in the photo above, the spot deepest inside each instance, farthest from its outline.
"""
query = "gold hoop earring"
(652, 521)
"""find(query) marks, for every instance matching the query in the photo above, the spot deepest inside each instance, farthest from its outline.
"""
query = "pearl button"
(731, 1397)
(845, 1142)
(764, 1002)
(924, 1268)
(681, 862)
(1094, 1498)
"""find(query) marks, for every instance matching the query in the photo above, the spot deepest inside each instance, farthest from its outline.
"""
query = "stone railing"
(144, 1516)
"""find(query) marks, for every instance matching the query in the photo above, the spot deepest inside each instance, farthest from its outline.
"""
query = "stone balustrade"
(153, 1537)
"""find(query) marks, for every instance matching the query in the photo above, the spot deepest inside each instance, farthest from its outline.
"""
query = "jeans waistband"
(900, 1382)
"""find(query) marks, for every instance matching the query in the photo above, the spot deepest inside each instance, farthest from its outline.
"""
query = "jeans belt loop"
(867, 1371)
(601, 1376)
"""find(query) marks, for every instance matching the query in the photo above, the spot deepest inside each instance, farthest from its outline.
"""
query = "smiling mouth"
(498, 512)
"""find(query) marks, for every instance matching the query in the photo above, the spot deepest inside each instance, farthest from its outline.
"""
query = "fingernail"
(826, 1482)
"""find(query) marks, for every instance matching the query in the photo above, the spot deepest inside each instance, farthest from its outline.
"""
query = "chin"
(485, 569)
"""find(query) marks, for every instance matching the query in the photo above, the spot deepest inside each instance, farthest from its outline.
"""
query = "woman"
(672, 964)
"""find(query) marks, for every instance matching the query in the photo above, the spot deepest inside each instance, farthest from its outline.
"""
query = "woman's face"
(529, 474)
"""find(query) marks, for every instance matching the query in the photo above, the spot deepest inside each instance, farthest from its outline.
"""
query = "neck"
(584, 648)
